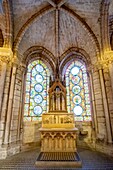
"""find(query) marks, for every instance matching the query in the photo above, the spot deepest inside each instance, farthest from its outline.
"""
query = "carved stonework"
(58, 132)
(104, 63)
(58, 141)
(57, 97)
(5, 59)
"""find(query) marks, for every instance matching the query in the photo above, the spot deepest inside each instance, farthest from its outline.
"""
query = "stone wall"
(0, 67)
(99, 112)
(16, 108)
(80, 25)
(31, 135)
(5, 99)
(35, 36)
(4, 102)
(109, 93)
(10, 114)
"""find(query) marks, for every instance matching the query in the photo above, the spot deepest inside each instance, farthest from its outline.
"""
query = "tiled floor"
(91, 160)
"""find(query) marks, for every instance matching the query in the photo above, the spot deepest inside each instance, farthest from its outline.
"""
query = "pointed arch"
(39, 52)
(8, 23)
(104, 25)
(71, 54)
(25, 26)
(36, 92)
(86, 26)
(78, 98)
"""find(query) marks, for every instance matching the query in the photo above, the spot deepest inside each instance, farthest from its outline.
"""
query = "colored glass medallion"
(78, 99)
(37, 85)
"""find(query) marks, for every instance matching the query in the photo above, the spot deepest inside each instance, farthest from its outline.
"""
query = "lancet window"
(78, 98)
(36, 91)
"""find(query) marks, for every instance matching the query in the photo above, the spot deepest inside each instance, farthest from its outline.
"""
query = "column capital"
(98, 65)
(108, 55)
(6, 54)
(102, 64)
(5, 59)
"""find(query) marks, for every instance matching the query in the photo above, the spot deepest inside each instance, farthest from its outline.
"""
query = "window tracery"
(78, 98)
(36, 92)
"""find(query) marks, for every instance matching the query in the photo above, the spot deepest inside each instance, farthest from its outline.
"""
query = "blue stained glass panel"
(38, 88)
(75, 70)
(34, 72)
(27, 98)
(32, 104)
(37, 110)
(26, 118)
(75, 79)
(32, 92)
(38, 99)
(28, 76)
(37, 85)
(39, 68)
(44, 103)
(33, 81)
(27, 87)
(39, 78)
(78, 110)
(76, 89)
(78, 99)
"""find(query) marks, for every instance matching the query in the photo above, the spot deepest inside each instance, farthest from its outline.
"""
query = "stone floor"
(91, 160)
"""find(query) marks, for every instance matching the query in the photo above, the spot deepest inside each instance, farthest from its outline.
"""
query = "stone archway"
(31, 136)
(86, 132)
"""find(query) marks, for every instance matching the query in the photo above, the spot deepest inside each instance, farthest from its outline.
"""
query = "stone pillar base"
(6, 151)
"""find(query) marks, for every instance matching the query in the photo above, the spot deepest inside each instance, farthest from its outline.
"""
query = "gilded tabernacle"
(58, 131)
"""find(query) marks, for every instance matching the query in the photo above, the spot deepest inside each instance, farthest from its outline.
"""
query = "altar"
(58, 132)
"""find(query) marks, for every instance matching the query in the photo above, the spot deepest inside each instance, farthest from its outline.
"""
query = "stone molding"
(8, 23)
(41, 53)
(49, 9)
(73, 54)
(85, 26)
(104, 24)
(108, 55)
(29, 22)
(5, 59)
(6, 54)
(104, 63)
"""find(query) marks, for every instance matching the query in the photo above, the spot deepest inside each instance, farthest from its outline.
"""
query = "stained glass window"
(36, 92)
(78, 99)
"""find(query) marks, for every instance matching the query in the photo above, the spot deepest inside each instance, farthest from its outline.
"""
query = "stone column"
(108, 77)
(2, 78)
(111, 74)
(4, 60)
(106, 111)
(104, 25)
(5, 57)
(21, 110)
(10, 105)
(93, 104)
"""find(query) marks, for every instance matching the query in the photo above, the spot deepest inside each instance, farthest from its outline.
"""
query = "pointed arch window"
(36, 92)
(78, 98)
